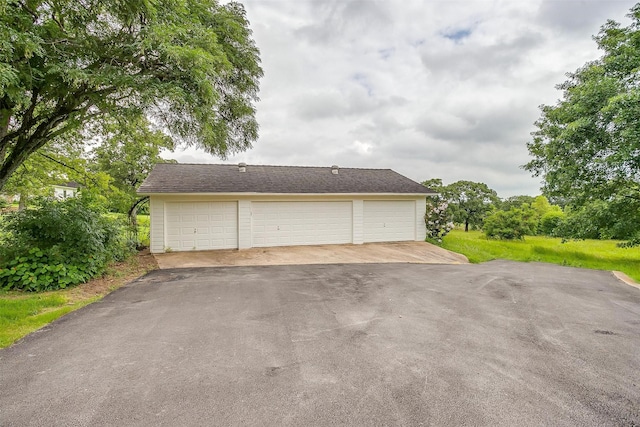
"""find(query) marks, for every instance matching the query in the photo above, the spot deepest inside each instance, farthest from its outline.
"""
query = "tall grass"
(594, 254)
(144, 226)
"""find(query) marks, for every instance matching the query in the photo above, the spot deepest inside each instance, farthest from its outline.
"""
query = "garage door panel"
(301, 223)
(202, 225)
(389, 221)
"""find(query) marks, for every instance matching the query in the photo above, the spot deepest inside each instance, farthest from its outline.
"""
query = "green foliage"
(469, 202)
(127, 155)
(586, 146)
(512, 224)
(537, 208)
(515, 202)
(595, 254)
(144, 229)
(434, 184)
(541, 206)
(550, 223)
(190, 65)
(57, 163)
(58, 244)
(616, 218)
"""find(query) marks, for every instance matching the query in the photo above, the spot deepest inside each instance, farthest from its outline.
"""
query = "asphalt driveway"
(501, 343)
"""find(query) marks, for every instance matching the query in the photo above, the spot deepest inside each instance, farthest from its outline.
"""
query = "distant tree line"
(475, 206)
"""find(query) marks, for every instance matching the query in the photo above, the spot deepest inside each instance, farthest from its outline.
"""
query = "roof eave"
(235, 194)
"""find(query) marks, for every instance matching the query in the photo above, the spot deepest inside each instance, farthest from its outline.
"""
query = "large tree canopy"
(127, 154)
(587, 146)
(469, 202)
(189, 65)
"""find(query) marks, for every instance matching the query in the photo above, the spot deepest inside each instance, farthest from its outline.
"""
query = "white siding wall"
(421, 228)
(62, 192)
(156, 210)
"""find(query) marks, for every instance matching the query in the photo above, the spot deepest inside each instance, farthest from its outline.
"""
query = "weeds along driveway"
(501, 343)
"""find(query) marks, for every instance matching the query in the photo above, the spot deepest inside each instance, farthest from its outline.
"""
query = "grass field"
(594, 254)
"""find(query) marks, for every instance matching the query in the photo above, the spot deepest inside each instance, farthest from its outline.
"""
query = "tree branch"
(46, 156)
(631, 197)
(29, 11)
(28, 114)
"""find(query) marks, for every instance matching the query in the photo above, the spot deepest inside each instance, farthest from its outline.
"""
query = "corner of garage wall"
(156, 232)
(421, 227)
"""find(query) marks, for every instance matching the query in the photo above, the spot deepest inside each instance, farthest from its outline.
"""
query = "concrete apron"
(400, 252)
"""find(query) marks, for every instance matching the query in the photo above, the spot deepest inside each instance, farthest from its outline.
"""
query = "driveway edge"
(626, 279)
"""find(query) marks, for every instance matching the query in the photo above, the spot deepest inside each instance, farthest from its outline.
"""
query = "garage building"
(202, 207)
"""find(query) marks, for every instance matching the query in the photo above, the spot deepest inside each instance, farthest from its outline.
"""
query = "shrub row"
(58, 244)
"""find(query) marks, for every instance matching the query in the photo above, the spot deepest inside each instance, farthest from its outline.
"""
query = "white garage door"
(201, 225)
(301, 223)
(389, 221)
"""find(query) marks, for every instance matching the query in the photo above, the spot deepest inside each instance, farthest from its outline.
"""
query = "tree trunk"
(5, 116)
(22, 204)
(466, 225)
(17, 151)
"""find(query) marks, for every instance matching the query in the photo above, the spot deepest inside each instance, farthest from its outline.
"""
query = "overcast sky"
(431, 89)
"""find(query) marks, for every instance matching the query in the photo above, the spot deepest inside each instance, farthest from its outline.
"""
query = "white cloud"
(446, 89)
(361, 148)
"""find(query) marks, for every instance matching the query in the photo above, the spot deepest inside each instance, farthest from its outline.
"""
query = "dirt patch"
(116, 276)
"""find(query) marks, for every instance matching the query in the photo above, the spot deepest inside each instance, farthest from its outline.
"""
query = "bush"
(437, 219)
(512, 224)
(550, 223)
(58, 244)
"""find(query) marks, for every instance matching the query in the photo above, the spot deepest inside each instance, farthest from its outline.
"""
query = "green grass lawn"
(22, 314)
(594, 254)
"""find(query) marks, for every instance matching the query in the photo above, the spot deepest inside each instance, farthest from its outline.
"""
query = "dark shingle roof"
(69, 184)
(202, 178)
